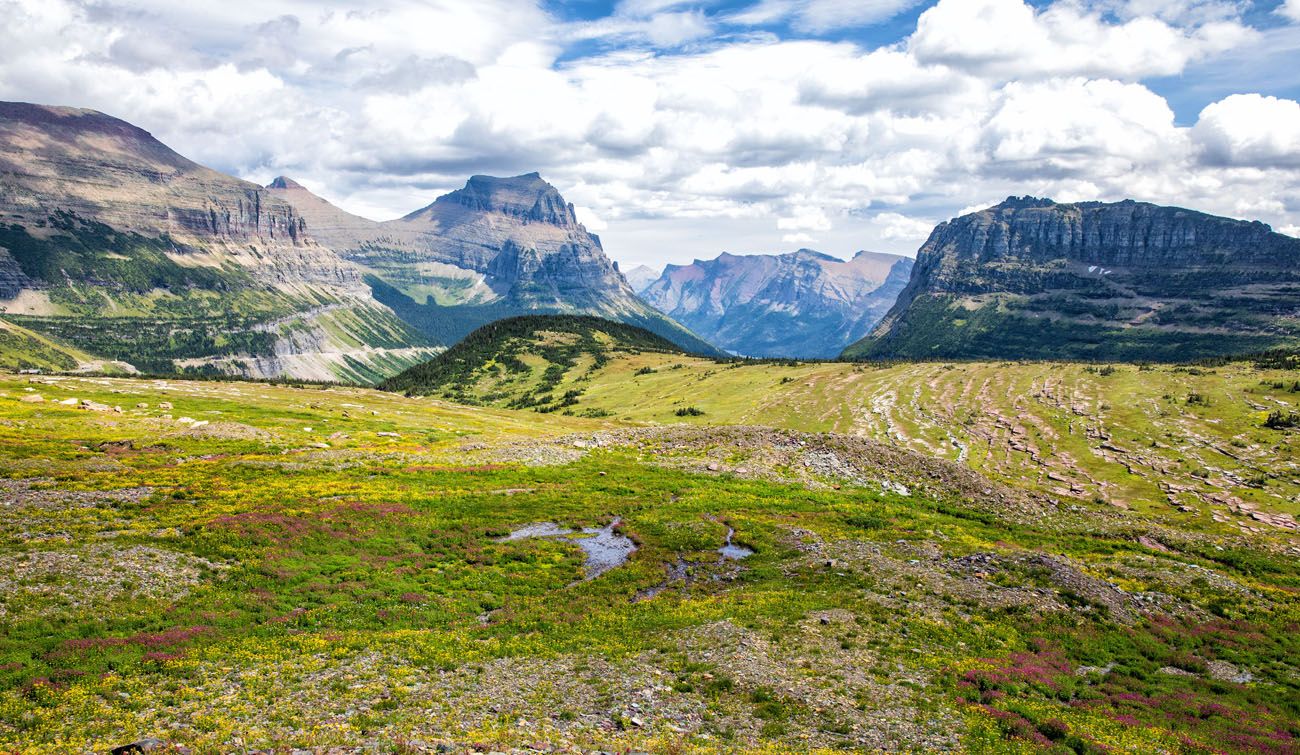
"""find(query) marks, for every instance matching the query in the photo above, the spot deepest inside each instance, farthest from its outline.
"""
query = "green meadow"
(978, 557)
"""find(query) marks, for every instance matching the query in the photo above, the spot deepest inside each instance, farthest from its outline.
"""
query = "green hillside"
(21, 349)
(1151, 437)
(518, 361)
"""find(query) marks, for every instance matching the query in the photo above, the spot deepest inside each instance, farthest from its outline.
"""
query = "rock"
(165, 405)
(148, 744)
(35, 398)
(1226, 672)
(713, 467)
(142, 405)
(69, 402)
(388, 434)
(94, 406)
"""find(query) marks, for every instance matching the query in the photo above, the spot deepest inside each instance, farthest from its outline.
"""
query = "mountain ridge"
(1033, 278)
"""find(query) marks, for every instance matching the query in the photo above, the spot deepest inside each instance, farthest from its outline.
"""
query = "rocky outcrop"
(1031, 278)
(805, 304)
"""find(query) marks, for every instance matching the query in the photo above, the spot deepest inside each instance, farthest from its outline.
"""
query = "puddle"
(605, 548)
(730, 550)
(684, 572)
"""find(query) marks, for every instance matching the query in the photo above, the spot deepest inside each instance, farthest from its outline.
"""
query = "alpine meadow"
(755, 376)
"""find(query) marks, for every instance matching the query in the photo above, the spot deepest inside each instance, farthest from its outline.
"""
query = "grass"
(288, 576)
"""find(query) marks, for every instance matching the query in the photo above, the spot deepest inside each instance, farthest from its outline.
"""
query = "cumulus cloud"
(1250, 130)
(1073, 127)
(805, 219)
(1011, 39)
(898, 227)
(672, 124)
(1290, 9)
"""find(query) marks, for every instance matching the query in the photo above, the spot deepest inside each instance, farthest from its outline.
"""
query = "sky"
(684, 128)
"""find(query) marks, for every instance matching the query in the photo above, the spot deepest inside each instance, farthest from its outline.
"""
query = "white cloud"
(1250, 130)
(590, 219)
(805, 219)
(1079, 127)
(1175, 11)
(898, 227)
(671, 136)
(1290, 9)
(1007, 38)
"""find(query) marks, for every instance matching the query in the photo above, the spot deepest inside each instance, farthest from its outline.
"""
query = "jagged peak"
(1024, 202)
(527, 196)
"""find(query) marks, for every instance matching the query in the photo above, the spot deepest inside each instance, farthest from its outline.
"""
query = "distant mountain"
(805, 304)
(498, 247)
(488, 366)
(1034, 279)
(118, 246)
(641, 276)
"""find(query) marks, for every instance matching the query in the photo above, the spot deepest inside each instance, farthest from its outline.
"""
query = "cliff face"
(804, 304)
(495, 248)
(117, 244)
(1031, 278)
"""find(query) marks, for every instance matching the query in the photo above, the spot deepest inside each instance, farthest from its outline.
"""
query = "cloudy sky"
(683, 128)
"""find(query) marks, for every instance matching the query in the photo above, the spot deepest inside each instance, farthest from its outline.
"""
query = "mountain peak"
(527, 196)
(284, 182)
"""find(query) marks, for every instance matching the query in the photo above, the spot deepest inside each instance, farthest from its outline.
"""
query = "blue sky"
(685, 129)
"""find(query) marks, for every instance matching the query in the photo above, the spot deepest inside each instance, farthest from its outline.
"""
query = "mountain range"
(117, 253)
(1035, 279)
(114, 244)
(801, 305)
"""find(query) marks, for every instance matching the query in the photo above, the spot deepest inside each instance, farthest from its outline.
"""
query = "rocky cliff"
(1031, 278)
(805, 304)
(117, 244)
(496, 248)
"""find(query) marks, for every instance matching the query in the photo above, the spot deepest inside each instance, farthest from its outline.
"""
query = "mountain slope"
(496, 248)
(804, 304)
(114, 243)
(1033, 279)
(517, 362)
